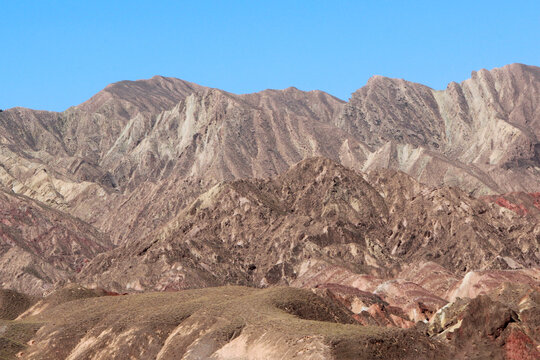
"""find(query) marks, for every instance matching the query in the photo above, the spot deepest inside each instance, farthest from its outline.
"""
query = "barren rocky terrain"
(163, 219)
(41, 246)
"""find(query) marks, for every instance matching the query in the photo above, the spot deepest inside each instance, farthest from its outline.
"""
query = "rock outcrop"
(279, 231)
(41, 246)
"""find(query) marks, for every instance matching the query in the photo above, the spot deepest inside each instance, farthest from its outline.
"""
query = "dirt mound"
(63, 295)
(215, 323)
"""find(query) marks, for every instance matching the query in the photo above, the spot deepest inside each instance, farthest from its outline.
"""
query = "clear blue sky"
(54, 54)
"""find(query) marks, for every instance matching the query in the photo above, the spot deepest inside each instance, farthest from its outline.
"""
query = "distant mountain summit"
(147, 145)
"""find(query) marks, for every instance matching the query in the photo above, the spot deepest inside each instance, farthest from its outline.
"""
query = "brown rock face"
(319, 214)
(143, 150)
(323, 226)
(42, 246)
(257, 232)
(527, 204)
(368, 308)
(482, 328)
(404, 208)
(481, 135)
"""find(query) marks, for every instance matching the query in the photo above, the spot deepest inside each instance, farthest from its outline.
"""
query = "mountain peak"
(156, 93)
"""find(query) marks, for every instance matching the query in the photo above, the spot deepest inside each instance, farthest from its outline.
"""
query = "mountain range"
(405, 208)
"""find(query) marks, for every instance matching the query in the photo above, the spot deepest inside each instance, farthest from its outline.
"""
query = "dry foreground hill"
(163, 219)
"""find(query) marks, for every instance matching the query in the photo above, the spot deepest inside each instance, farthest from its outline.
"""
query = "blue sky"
(55, 54)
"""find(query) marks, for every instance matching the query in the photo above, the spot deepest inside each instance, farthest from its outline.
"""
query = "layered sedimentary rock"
(143, 150)
(41, 246)
(279, 231)
(404, 207)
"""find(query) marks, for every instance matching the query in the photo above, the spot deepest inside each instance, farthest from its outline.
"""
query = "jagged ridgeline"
(386, 226)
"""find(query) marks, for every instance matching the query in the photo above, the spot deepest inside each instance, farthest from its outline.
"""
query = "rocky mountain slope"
(132, 148)
(392, 251)
(41, 246)
(397, 220)
(261, 232)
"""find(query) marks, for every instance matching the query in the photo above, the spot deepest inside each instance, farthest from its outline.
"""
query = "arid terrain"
(161, 219)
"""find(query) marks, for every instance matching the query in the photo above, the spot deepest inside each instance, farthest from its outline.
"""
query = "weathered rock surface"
(283, 230)
(481, 135)
(482, 328)
(477, 283)
(439, 227)
(368, 308)
(143, 150)
(41, 246)
(527, 204)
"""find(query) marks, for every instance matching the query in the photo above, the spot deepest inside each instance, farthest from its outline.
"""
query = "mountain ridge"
(406, 214)
(122, 145)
